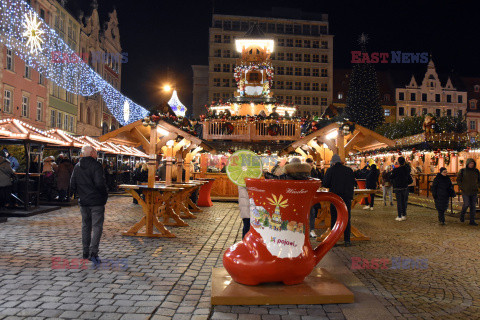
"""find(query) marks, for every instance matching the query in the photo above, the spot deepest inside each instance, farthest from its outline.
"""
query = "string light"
(78, 78)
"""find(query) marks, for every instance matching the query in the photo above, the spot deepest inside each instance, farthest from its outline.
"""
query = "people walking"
(64, 173)
(88, 181)
(6, 175)
(468, 180)
(340, 179)
(442, 191)
(401, 178)
(48, 175)
(371, 183)
(387, 186)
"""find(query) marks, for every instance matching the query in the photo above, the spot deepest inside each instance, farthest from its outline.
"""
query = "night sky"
(167, 37)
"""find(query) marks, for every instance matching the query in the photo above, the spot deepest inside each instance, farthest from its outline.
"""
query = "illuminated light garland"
(177, 107)
(78, 78)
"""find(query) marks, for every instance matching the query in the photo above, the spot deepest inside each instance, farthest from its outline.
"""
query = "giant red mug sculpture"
(277, 248)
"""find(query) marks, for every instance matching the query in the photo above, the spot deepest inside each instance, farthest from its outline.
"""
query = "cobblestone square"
(170, 278)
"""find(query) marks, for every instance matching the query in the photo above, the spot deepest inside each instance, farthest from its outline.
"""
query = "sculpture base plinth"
(320, 287)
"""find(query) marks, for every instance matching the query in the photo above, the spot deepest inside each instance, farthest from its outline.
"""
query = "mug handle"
(337, 229)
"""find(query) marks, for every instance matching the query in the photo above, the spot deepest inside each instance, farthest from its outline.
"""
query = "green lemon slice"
(243, 164)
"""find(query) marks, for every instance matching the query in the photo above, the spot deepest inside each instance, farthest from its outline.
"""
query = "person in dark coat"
(468, 180)
(401, 178)
(442, 191)
(64, 172)
(314, 172)
(371, 183)
(88, 182)
(6, 175)
(13, 161)
(340, 179)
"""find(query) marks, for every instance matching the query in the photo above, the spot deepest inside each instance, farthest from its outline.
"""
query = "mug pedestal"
(320, 287)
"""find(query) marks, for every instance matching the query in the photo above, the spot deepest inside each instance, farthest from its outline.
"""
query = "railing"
(436, 137)
(241, 130)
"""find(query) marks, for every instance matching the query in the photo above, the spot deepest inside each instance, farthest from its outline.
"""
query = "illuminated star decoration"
(33, 32)
(363, 38)
(177, 107)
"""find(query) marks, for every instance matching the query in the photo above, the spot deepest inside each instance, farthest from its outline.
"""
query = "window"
(473, 104)
(216, 96)
(306, 101)
(289, 85)
(437, 97)
(9, 64)
(217, 53)
(449, 112)
(279, 84)
(424, 111)
(289, 28)
(413, 97)
(217, 38)
(289, 56)
(281, 42)
(216, 82)
(7, 101)
(315, 72)
(401, 96)
(306, 86)
(226, 39)
(298, 57)
(476, 88)
(280, 70)
(80, 113)
(28, 71)
(413, 112)
(323, 101)
(306, 43)
(387, 112)
(71, 126)
(323, 30)
(289, 42)
(298, 86)
(65, 122)
(225, 95)
(324, 58)
(59, 119)
(324, 73)
(315, 101)
(401, 111)
(280, 99)
(70, 97)
(226, 53)
(314, 29)
(306, 57)
(280, 56)
(306, 72)
(340, 95)
(288, 99)
(298, 71)
(424, 97)
(53, 117)
(473, 125)
(24, 106)
(289, 71)
(226, 83)
(216, 67)
(437, 112)
(324, 45)
(271, 28)
(298, 43)
(315, 58)
(316, 44)
(41, 79)
(298, 100)
(39, 111)
(315, 86)
(89, 116)
(449, 98)
(460, 99)
(226, 67)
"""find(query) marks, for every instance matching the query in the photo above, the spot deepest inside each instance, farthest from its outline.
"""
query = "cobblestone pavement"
(170, 278)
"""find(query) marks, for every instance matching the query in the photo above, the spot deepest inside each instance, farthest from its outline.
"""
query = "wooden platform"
(33, 211)
(318, 288)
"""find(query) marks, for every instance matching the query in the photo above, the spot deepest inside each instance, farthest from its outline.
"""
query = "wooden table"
(154, 198)
(323, 220)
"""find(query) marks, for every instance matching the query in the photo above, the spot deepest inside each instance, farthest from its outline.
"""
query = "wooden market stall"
(164, 199)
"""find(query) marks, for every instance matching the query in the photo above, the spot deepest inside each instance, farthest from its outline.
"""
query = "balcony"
(241, 130)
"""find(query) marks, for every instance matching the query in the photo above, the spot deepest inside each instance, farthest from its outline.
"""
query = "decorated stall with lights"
(165, 199)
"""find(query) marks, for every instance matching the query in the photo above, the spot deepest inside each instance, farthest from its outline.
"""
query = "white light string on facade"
(36, 43)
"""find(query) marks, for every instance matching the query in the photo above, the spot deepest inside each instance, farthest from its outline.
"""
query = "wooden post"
(341, 145)
(152, 158)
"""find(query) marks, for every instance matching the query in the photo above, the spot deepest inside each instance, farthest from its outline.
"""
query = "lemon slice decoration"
(243, 164)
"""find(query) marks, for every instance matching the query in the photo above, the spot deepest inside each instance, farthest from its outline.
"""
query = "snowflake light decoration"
(177, 107)
(33, 32)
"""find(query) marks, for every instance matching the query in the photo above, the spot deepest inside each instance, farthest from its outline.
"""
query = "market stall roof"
(99, 146)
(68, 139)
(360, 139)
(126, 150)
(14, 130)
(136, 134)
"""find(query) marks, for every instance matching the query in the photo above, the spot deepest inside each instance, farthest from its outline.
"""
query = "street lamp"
(167, 88)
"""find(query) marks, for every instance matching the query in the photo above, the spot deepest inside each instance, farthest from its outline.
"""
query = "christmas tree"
(363, 99)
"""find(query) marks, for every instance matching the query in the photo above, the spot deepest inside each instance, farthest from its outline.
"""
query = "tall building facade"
(302, 58)
(24, 92)
(430, 95)
(472, 86)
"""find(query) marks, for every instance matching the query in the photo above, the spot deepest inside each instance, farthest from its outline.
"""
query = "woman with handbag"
(442, 191)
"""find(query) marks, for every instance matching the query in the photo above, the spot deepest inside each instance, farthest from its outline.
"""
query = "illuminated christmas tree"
(363, 99)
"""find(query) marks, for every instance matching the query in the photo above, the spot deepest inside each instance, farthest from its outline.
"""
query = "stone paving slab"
(170, 278)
